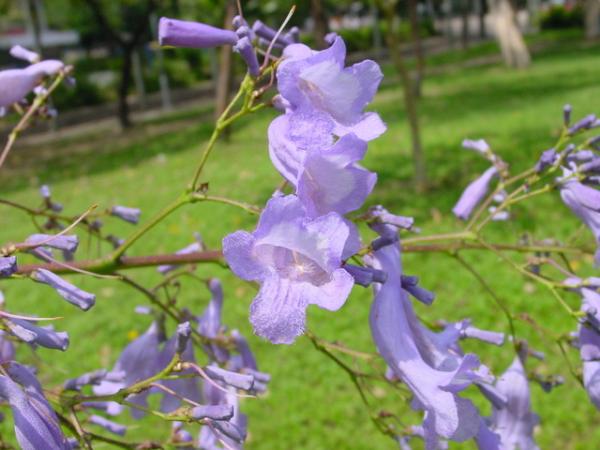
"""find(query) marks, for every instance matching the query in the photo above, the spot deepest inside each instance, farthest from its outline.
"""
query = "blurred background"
(131, 129)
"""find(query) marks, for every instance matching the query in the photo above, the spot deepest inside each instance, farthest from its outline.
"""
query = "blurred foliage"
(558, 17)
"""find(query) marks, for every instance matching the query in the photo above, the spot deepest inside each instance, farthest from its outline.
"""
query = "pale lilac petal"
(238, 252)
(278, 313)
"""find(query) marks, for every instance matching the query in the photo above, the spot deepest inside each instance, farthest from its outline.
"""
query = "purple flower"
(474, 194)
(66, 290)
(584, 201)
(318, 82)
(15, 84)
(19, 52)
(567, 109)
(8, 266)
(36, 424)
(131, 215)
(209, 323)
(411, 285)
(268, 34)
(364, 276)
(180, 33)
(330, 180)
(231, 432)
(296, 260)
(61, 242)
(213, 412)
(95, 377)
(138, 361)
(7, 349)
(108, 425)
(546, 160)
(42, 336)
(515, 422)
(197, 246)
(584, 124)
(246, 50)
(480, 146)
(422, 360)
(184, 387)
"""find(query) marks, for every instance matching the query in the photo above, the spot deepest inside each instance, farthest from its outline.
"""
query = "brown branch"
(216, 256)
(130, 262)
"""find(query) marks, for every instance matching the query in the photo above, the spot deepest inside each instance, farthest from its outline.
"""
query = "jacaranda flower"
(297, 262)
(36, 424)
(66, 290)
(318, 82)
(474, 194)
(515, 422)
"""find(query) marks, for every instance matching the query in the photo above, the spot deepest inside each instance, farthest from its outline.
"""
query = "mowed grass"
(311, 403)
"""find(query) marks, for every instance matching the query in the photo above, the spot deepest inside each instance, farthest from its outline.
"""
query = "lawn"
(311, 403)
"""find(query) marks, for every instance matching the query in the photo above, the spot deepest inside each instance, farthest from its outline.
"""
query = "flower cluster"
(15, 84)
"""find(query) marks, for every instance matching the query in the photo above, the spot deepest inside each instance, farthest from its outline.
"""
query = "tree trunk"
(592, 19)
(320, 21)
(223, 86)
(418, 46)
(124, 119)
(512, 44)
(465, 10)
(410, 102)
(481, 12)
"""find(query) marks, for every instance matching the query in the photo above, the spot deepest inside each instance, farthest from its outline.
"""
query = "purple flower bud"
(108, 425)
(67, 243)
(131, 215)
(115, 241)
(246, 50)
(590, 166)
(32, 334)
(268, 34)
(546, 160)
(238, 21)
(293, 35)
(19, 52)
(8, 266)
(145, 310)
(480, 146)
(230, 430)
(184, 332)
(247, 357)
(364, 276)
(567, 114)
(383, 241)
(490, 337)
(69, 292)
(474, 194)
(7, 349)
(45, 191)
(410, 284)
(110, 408)
(594, 141)
(584, 124)
(237, 380)
(213, 412)
(192, 248)
(95, 377)
(180, 33)
(243, 32)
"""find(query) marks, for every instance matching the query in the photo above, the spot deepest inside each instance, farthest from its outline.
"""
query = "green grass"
(311, 403)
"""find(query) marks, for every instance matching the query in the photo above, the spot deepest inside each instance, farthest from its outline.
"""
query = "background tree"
(592, 18)
(124, 25)
(512, 44)
(388, 8)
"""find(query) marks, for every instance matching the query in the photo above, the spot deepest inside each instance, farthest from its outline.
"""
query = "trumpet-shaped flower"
(297, 261)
